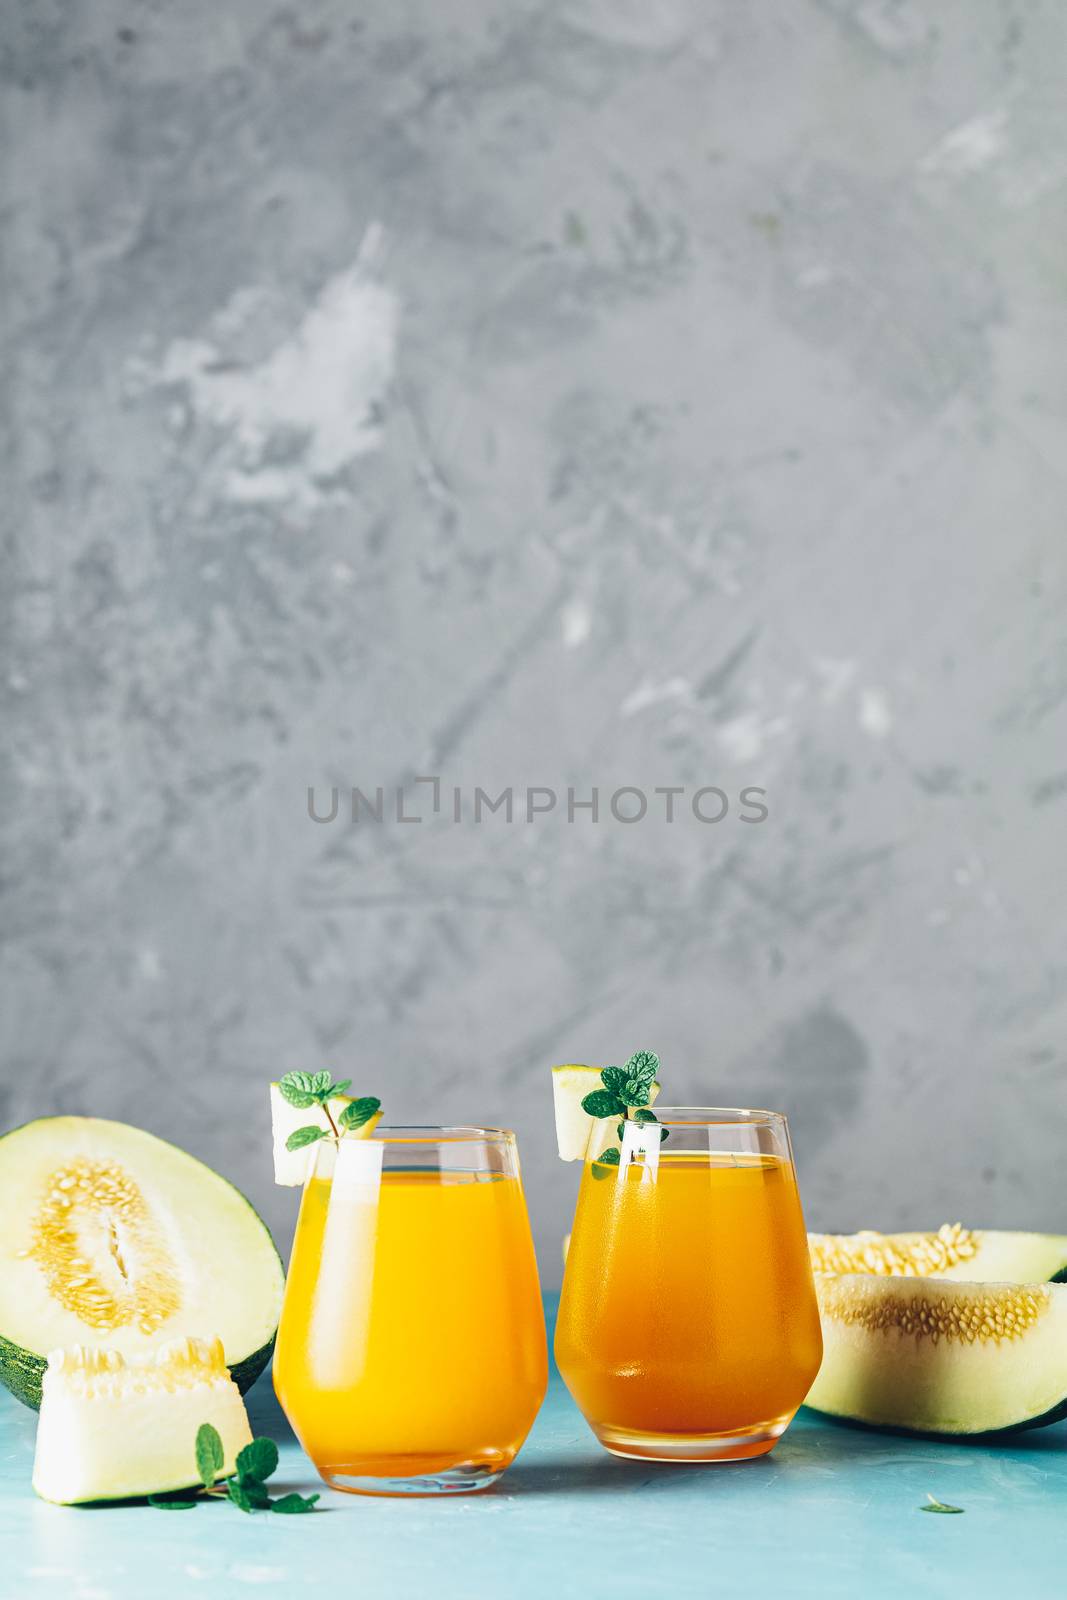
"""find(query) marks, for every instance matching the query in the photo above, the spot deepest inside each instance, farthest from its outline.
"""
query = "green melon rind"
(1056, 1414)
(244, 1373)
(21, 1371)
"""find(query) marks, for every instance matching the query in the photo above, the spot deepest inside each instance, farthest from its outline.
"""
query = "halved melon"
(923, 1355)
(977, 1255)
(113, 1238)
(112, 1427)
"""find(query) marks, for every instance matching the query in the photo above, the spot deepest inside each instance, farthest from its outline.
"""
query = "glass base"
(738, 1444)
(465, 1478)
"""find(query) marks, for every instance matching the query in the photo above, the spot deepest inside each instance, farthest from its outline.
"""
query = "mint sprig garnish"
(626, 1093)
(246, 1488)
(306, 1089)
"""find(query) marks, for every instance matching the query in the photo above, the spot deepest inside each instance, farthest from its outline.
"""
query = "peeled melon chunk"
(114, 1239)
(570, 1085)
(926, 1355)
(976, 1254)
(113, 1426)
(290, 1166)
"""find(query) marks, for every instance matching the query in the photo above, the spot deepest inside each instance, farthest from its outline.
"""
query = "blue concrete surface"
(833, 1512)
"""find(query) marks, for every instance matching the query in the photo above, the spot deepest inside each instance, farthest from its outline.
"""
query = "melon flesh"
(973, 1255)
(933, 1356)
(112, 1428)
(1013, 1258)
(115, 1239)
(570, 1084)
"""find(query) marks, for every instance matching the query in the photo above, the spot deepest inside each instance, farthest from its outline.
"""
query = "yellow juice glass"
(411, 1353)
(688, 1328)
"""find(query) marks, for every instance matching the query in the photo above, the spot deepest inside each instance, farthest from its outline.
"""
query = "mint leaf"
(602, 1103)
(603, 1164)
(303, 1136)
(643, 1067)
(257, 1460)
(290, 1504)
(298, 1088)
(320, 1085)
(941, 1508)
(209, 1454)
(239, 1494)
(614, 1079)
(339, 1088)
(255, 1493)
(359, 1112)
(167, 1503)
(637, 1093)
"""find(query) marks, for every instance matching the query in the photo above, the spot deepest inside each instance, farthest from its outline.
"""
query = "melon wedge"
(570, 1085)
(922, 1355)
(114, 1239)
(976, 1255)
(112, 1427)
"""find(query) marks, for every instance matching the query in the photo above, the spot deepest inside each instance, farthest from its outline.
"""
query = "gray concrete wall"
(600, 393)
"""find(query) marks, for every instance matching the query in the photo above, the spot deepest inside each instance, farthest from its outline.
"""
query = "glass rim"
(445, 1133)
(716, 1116)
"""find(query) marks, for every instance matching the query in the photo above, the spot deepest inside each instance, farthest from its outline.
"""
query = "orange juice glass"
(411, 1354)
(688, 1328)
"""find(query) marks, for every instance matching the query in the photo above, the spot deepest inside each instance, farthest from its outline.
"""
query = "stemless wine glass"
(688, 1327)
(411, 1354)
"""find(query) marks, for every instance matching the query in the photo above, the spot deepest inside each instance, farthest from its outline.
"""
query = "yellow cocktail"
(411, 1353)
(688, 1327)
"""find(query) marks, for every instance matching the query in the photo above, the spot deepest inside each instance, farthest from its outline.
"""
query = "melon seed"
(80, 1200)
(921, 1257)
(980, 1315)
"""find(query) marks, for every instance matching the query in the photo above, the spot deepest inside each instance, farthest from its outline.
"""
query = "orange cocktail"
(411, 1353)
(688, 1327)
